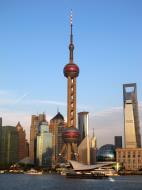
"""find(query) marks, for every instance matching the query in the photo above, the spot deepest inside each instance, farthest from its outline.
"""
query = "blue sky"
(34, 39)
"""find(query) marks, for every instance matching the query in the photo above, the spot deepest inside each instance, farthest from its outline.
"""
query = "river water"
(57, 182)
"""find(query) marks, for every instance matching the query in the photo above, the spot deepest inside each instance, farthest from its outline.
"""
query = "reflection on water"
(56, 182)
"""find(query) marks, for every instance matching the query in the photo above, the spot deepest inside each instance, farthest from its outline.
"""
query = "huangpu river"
(57, 182)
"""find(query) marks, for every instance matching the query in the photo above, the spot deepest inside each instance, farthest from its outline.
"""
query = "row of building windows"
(129, 156)
(129, 161)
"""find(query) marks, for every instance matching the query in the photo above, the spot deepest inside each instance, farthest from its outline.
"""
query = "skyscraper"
(35, 121)
(0, 121)
(93, 149)
(44, 146)
(118, 141)
(0, 134)
(83, 124)
(131, 116)
(9, 146)
(56, 127)
(84, 151)
(71, 134)
(22, 151)
(84, 146)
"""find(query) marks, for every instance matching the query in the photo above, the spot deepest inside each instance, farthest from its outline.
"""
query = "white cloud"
(42, 101)
(21, 98)
(8, 99)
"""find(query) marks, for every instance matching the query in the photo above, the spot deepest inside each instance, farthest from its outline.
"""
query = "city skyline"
(35, 49)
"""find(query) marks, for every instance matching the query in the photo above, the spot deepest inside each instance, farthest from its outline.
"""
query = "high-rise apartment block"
(131, 117)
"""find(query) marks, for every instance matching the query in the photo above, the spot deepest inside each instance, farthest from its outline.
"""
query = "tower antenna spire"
(71, 46)
(71, 37)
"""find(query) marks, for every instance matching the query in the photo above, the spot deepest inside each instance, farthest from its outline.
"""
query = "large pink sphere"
(71, 135)
(71, 70)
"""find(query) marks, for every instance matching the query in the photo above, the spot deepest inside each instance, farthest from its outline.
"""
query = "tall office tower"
(27, 148)
(131, 116)
(21, 142)
(118, 141)
(44, 146)
(84, 151)
(83, 124)
(41, 118)
(71, 134)
(84, 146)
(35, 121)
(0, 135)
(9, 146)
(56, 127)
(93, 149)
(0, 121)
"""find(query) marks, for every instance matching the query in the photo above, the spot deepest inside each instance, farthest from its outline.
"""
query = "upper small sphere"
(71, 70)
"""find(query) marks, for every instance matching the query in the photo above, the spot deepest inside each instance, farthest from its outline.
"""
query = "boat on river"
(86, 175)
(34, 172)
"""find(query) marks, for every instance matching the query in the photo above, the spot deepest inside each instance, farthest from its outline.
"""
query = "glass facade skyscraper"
(84, 146)
(44, 146)
(9, 145)
(83, 124)
(57, 125)
(34, 130)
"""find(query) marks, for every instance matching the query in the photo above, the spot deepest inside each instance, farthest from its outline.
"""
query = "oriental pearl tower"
(71, 133)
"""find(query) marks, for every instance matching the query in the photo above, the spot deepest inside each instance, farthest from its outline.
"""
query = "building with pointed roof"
(22, 142)
(57, 124)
